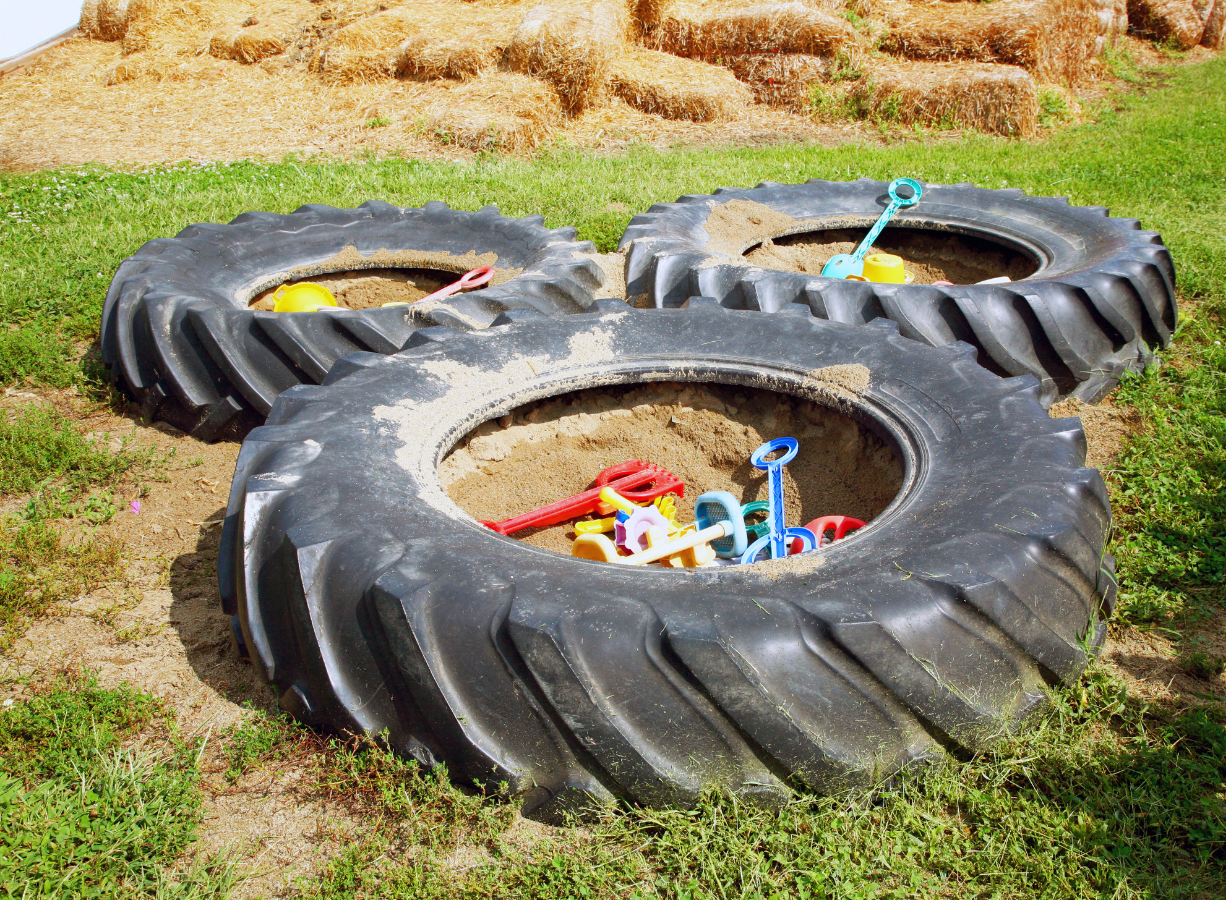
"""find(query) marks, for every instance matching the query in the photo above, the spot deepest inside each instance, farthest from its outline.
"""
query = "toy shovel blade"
(842, 265)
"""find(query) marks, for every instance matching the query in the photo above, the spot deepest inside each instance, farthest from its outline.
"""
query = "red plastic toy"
(635, 480)
(840, 525)
(471, 279)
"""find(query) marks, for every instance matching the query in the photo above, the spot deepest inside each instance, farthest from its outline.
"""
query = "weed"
(40, 445)
(1205, 666)
(1053, 107)
(83, 811)
(37, 569)
(31, 356)
(378, 122)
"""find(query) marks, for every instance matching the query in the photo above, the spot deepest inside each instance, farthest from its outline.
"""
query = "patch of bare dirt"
(1107, 426)
(1175, 670)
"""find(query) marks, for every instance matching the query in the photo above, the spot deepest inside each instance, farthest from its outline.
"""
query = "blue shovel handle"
(896, 203)
(776, 539)
(844, 264)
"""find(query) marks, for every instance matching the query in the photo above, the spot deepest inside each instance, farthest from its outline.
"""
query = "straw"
(1171, 21)
(500, 111)
(1052, 39)
(993, 98)
(677, 88)
(572, 44)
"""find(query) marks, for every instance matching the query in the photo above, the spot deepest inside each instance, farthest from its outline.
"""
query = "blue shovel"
(843, 264)
(779, 536)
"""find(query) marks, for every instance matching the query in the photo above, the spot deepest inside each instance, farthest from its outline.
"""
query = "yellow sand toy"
(305, 296)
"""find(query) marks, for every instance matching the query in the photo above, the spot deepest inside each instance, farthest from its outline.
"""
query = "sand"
(371, 287)
(705, 434)
(927, 256)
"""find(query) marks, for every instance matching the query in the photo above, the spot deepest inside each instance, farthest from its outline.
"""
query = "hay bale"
(500, 111)
(146, 68)
(456, 41)
(570, 44)
(766, 28)
(677, 88)
(993, 98)
(1171, 21)
(1215, 26)
(369, 48)
(248, 44)
(781, 79)
(1013, 32)
(108, 20)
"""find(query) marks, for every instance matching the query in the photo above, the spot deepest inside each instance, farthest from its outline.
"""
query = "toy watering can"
(843, 264)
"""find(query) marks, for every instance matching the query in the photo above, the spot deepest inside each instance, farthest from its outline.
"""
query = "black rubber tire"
(1100, 304)
(177, 329)
(375, 605)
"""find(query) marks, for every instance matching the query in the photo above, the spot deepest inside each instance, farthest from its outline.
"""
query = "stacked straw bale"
(154, 69)
(427, 39)
(765, 28)
(499, 111)
(1172, 21)
(677, 88)
(1054, 40)
(571, 44)
(1215, 26)
(369, 48)
(108, 20)
(992, 98)
(1112, 22)
(249, 44)
(781, 79)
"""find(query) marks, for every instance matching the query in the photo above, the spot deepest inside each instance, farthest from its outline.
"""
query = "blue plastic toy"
(720, 506)
(780, 535)
(843, 264)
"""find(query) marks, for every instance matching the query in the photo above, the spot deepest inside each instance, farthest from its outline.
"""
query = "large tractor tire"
(1099, 301)
(377, 606)
(178, 329)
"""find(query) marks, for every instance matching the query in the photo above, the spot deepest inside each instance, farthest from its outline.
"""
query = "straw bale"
(650, 12)
(781, 79)
(108, 20)
(677, 88)
(572, 44)
(154, 68)
(993, 98)
(249, 45)
(1052, 39)
(456, 41)
(764, 28)
(499, 111)
(370, 47)
(1172, 21)
(1215, 26)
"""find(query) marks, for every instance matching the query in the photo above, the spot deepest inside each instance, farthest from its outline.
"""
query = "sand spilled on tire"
(703, 433)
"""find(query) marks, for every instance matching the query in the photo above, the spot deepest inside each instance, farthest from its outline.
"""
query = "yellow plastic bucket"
(884, 267)
(305, 296)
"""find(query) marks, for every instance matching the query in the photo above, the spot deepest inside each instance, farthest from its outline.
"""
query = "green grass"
(1107, 798)
(40, 444)
(97, 799)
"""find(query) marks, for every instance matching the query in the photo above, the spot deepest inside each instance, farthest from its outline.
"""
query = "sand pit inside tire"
(928, 256)
(703, 433)
(371, 288)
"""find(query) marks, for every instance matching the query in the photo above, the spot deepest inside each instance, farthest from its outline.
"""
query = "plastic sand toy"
(843, 264)
(633, 480)
(777, 538)
(305, 296)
